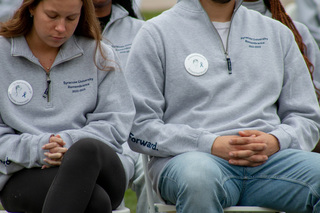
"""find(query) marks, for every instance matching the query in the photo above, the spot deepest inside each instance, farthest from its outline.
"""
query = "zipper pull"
(229, 64)
(46, 92)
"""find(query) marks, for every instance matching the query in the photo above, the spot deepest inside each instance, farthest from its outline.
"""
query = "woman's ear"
(31, 11)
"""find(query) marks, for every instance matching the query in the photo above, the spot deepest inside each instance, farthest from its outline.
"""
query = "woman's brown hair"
(21, 23)
(278, 12)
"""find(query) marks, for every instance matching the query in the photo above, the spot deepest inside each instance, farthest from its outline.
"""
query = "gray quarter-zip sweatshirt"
(84, 102)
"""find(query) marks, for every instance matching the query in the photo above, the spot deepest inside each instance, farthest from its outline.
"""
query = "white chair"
(160, 207)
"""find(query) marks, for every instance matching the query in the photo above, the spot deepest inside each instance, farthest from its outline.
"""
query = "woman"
(119, 25)
(65, 108)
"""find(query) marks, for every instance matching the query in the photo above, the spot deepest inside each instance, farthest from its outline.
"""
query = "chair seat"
(159, 207)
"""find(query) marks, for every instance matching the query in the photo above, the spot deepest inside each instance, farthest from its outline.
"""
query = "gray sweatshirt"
(82, 102)
(313, 51)
(188, 89)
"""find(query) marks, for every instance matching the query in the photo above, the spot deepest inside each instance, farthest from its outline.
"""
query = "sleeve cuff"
(205, 141)
(283, 137)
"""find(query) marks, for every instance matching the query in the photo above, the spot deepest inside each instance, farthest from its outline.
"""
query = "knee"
(86, 150)
(199, 173)
(100, 201)
(89, 148)
(85, 145)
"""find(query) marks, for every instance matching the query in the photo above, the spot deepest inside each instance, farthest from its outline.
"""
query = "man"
(224, 105)
(120, 24)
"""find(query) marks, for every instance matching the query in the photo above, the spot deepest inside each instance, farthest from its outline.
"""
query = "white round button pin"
(20, 92)
(196, 64)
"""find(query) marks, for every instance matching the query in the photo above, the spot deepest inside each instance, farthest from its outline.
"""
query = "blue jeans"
(200, 182)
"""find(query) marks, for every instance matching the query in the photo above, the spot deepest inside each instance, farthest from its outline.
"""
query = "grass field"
(130, 200)
(147, 15)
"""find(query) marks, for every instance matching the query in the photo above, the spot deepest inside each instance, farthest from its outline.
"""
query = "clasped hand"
(55, 151)
(249, 148)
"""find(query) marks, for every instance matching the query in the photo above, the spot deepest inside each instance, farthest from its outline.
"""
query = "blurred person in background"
(306, 42)
(7, 8)
(308, 13)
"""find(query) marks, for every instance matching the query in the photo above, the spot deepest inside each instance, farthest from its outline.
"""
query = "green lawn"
(148, 15)
(130, 200)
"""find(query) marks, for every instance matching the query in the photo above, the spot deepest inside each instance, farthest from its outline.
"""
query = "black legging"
(91, 178)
